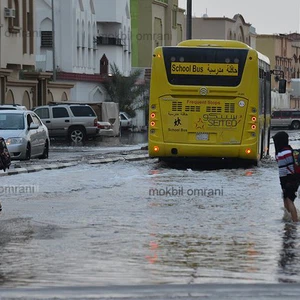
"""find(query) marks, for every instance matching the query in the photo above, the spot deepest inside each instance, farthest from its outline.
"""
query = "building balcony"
(105, 40)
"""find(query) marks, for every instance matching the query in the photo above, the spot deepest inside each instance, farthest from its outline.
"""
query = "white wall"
(73, 28)
(139, 120)
(279, 100)
(87, 92)
(118, 26)
(75, 31)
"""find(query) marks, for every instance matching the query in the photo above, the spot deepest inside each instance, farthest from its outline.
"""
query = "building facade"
(223, 28)
(17, 53)
(282, 49)
(279, 49)
(154, 23)
(89, 36)
(20, 82)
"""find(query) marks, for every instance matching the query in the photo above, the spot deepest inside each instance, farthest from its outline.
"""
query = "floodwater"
(134, 223)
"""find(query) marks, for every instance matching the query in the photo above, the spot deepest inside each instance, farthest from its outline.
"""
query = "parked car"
(25, 134)
(76, 122)
(286, 118)
(125, 120)
(105, 129)
(12, 106)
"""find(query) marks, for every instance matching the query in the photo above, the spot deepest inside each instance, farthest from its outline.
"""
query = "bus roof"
(263, 57)
(221, 43)
(213, 43)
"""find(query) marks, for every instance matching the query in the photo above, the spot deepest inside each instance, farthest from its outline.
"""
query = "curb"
(104, 160)
(32, 169)
(131, 157)
(37, 169)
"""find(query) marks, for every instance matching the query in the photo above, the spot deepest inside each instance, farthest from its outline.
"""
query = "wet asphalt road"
(142, 223)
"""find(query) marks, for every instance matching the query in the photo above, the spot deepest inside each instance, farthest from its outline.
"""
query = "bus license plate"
(202, 136)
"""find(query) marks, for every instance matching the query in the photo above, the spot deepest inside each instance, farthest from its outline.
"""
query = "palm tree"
(126, 90)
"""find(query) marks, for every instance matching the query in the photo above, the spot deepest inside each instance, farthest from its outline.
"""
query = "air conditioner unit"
(9, 13)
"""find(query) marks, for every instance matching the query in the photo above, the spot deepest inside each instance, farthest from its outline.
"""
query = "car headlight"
(14, 140)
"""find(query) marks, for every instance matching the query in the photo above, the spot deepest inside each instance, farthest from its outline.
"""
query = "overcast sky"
(267, 16)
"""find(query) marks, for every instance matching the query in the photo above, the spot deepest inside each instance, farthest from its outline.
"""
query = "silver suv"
(76, 122)
(286, 118)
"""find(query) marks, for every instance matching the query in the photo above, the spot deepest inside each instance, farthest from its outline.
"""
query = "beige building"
(279, 48)
(154, 23)
(20, 83)
(284, 53)
(283, 50)
(16, 51)
(223, 28)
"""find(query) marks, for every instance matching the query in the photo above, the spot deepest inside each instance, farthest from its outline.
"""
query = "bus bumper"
(169, 150)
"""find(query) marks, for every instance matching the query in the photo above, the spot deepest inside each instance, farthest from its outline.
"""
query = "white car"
(125, 120)
(25, 134)
(12, 106)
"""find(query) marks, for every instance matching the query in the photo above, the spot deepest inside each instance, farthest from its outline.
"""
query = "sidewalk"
(162, 292)
(36, 165)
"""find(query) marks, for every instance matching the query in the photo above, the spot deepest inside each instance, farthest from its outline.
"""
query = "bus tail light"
(253, 120)
(152, 124)
(153, 115)
(248, 151)
(156, 148)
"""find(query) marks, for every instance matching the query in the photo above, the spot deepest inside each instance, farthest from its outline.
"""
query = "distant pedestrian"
(288, 180)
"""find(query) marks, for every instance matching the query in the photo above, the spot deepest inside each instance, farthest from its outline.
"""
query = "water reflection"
(126, 138)
(19, 233)
(133, 138)
(289, 256)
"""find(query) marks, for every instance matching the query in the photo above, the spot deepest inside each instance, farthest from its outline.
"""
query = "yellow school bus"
(209, 99)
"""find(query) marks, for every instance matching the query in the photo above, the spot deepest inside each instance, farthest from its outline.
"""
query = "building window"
(46, 39)
(83, 34)
(92, 7)
(158, 32)
(104, 65)
(81, 5)
(179, 33)
(174, 16)
(14, 22)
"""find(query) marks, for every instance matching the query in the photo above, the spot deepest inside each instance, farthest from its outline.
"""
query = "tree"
(126, 90)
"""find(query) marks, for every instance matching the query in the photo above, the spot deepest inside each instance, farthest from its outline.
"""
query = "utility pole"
(188, 19)
(53, 42)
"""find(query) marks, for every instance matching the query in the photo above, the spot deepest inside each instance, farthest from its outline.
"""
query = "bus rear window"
(204, 66)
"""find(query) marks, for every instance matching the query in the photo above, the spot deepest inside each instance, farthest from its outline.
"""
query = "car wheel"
(77, 135)
(46, 151)
(28, 152)
(295, 125)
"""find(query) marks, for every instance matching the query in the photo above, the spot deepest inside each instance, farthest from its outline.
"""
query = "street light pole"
(53, 42)
(189, 19)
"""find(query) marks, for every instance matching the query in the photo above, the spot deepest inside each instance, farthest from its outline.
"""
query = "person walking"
(288, 179)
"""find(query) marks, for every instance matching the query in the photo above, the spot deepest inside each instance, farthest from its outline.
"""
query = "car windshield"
(11, 121)
(124, 116)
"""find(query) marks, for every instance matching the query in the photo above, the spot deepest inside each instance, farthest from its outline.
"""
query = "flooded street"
(134, 223)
